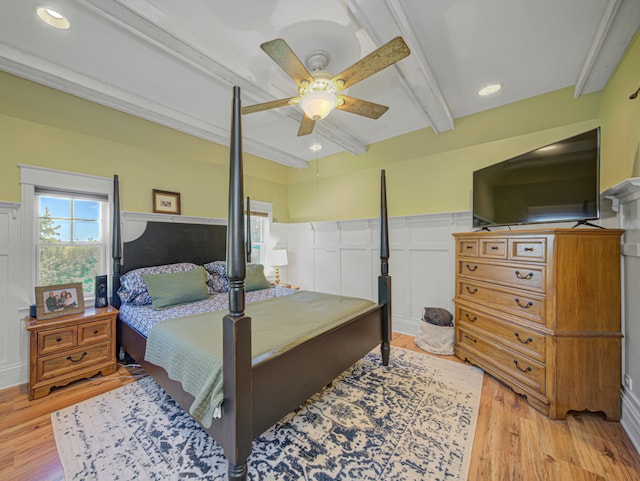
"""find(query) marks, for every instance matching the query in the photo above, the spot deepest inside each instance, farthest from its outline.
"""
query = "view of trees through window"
(70, 242)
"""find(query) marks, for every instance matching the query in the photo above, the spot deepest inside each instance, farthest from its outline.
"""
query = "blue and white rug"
(413, 420)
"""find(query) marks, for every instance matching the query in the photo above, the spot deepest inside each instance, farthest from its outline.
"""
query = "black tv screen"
(556, 183)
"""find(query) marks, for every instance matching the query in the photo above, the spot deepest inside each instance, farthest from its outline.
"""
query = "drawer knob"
(494, 248)
(468, 247)
(470, 338)
(527, 369)
(472, 269)
(58, 339)
(519, 275)
(524, 306)
(528, 249)
(95, 331)
(523, 341)
(471, 291)
(69, 358)
(469, 318)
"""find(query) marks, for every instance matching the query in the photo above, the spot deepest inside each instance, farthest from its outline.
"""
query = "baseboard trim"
(406, 326)
(630, 419)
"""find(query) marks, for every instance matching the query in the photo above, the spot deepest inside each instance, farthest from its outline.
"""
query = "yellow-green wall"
(426, 172)
(44, 127)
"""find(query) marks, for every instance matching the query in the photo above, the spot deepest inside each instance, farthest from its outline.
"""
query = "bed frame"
(258, 392)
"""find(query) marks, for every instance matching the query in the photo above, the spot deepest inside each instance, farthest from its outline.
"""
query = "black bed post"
(384, 279)
(248, 230)
(116, 245)
(237, 405)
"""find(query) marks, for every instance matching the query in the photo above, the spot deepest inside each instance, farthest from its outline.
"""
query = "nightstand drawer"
(94, 332)
(56, 340)
(52, 366)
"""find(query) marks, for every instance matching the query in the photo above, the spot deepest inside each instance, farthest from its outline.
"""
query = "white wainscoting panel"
(625, 198)
(13, 339)
(343, 257)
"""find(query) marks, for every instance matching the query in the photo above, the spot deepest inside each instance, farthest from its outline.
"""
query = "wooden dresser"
(540, 310)
(69, 348)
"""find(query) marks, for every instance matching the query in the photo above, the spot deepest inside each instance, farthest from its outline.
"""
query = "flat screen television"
(556, 183)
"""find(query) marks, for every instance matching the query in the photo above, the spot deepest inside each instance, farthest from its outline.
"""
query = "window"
(70, 243)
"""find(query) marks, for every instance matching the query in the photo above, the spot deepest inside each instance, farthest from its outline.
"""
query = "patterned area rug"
(413, 421)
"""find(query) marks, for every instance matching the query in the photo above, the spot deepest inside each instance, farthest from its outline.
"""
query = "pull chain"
(317, 168)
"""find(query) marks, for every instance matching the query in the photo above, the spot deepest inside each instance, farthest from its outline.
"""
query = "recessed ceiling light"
(53, 18)
(315, 147)
(489, 89)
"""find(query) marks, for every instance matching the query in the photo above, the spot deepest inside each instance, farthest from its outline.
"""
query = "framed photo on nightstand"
(59, 300)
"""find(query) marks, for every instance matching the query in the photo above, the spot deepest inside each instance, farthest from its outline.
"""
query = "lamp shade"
(278, 257)
(317, 104)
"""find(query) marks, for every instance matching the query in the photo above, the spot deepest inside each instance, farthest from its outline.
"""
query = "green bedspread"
(190, 348)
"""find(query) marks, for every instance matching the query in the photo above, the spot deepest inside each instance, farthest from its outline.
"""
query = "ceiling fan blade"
(362, 107)
(274, 104)
(282, 54)
(306, 125)
(390, 53)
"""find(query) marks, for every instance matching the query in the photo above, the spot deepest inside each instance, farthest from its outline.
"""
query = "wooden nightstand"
(68, 348)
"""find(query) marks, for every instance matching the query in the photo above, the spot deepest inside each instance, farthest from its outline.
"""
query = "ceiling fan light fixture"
(317, 104)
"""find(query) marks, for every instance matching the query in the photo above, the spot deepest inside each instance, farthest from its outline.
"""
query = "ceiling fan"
(319, 90)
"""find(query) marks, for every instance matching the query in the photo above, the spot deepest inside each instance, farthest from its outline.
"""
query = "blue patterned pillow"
(133, 289)
(218, 281)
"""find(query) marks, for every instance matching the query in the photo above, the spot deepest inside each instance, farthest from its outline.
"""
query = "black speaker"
(101, 291)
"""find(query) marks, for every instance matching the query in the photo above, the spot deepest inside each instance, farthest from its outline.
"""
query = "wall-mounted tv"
(559, 182)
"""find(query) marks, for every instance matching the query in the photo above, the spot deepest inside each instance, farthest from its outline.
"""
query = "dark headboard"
(169, 243)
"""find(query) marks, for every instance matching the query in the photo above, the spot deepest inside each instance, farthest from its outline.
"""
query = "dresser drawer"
(519, 303)
(468, 247)
(493, 248)
(74, 360)
(519, 276)
(534, 249)
(94, 332)
(515, 365)
(527, 341)
(55, 340)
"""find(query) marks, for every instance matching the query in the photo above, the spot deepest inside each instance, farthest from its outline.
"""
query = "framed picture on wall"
(165, 202)
(59, 300)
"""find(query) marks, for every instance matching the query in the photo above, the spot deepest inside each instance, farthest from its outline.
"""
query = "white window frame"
(32, 177)
(263, 208)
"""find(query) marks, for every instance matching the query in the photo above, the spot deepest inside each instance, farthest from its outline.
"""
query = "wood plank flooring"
(513, 441)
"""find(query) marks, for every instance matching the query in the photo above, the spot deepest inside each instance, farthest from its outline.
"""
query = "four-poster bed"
(257, 391)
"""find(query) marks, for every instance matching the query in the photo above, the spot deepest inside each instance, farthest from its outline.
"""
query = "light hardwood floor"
(513, 441)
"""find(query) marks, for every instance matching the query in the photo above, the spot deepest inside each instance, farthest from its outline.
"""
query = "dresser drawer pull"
(469, 318)
(470, 338)
(58, 339)
(471, 269)
(527, 277)
(69, 358)
(471, 291)
(528, 249)
(468, 247)
(527, 369)
(524, 306)
(494, 248)
(523, 341)
(95, 331)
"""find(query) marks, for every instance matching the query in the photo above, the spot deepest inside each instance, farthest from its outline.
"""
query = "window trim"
(45, 178)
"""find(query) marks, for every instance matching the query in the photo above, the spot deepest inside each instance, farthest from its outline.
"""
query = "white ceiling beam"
(598, 40)
(42, 71)
(429, 96)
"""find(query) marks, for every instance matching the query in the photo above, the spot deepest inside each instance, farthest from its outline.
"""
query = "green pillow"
(255, 278)
(168, 290)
